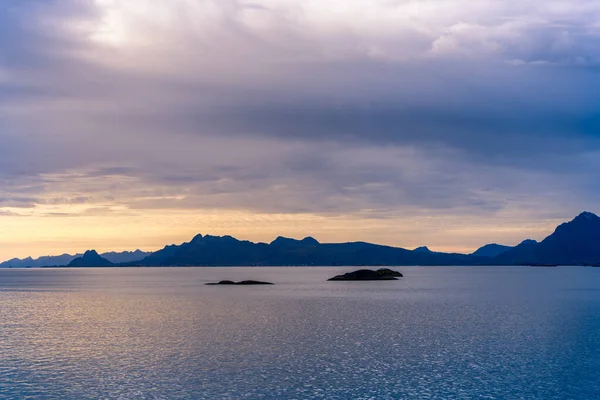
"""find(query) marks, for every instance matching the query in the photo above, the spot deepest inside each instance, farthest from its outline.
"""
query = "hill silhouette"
(491, 250)
(226, 250)
(65, 259)
(90, 259)
(573, 243)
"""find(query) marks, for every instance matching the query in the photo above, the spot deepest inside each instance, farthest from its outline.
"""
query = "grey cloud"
(18, 202)
(67, 200)
(294, 116)
(93, 211)
(8, 214)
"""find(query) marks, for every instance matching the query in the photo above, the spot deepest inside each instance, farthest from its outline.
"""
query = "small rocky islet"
(382, 274)
(241, 283)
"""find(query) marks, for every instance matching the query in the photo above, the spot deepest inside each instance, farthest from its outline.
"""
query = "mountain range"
(573, 243)
(65, 259)
(228, 251)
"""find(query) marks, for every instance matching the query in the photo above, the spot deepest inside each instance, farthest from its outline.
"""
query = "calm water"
(439, 333)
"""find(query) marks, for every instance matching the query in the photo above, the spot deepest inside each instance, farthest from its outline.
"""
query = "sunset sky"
(131, 124)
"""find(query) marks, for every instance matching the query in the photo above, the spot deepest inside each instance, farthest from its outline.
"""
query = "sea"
(437, 333)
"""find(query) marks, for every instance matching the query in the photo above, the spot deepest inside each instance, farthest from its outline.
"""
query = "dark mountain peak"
(584, 220)
(528, 243)
(310, 240)
(491, 250)
(90, 258)
(423, 249)
(524, 252)
(281, 240)
(124, 256)
(575, 242)
(226, 238)
(197, 238)
(284, 241)
(584, 224)
(211, 237)
(587, 216)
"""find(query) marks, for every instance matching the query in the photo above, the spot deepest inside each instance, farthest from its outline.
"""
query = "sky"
(131, 124)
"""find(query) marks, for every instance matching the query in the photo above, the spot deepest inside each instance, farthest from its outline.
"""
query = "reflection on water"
(442, 333)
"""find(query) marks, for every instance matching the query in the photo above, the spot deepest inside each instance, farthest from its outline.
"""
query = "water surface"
(439, 333)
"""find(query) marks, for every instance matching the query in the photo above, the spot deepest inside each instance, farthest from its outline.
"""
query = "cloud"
(333, 29)
(17, 202)
(4, 213)
(375, 109)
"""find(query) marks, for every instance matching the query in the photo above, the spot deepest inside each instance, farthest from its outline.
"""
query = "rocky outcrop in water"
(242, 283)
(383, 274)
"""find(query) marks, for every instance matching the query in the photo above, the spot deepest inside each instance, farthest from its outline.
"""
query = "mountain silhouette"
(491, 250)
(226, 250)
(64, 259)
(45, 261)
(523, 253)
(90, 259)
(573, 243)
(283, 241)
(423, 249)
(125, 256)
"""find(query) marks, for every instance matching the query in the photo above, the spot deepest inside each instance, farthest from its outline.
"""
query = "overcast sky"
(446, 123)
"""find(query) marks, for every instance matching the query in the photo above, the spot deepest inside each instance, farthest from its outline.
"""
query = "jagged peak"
(136, 251)
(197, 238)
(423, 249)
(90, 258)
(310, 240)
(282, 239)
(587, 216)
(217, 237)
(528, 242)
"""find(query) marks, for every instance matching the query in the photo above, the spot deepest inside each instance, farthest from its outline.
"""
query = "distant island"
(65, 259)
(573, 243)
(382, 274)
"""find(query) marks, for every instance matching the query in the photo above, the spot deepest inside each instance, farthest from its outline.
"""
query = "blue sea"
(438, 333)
